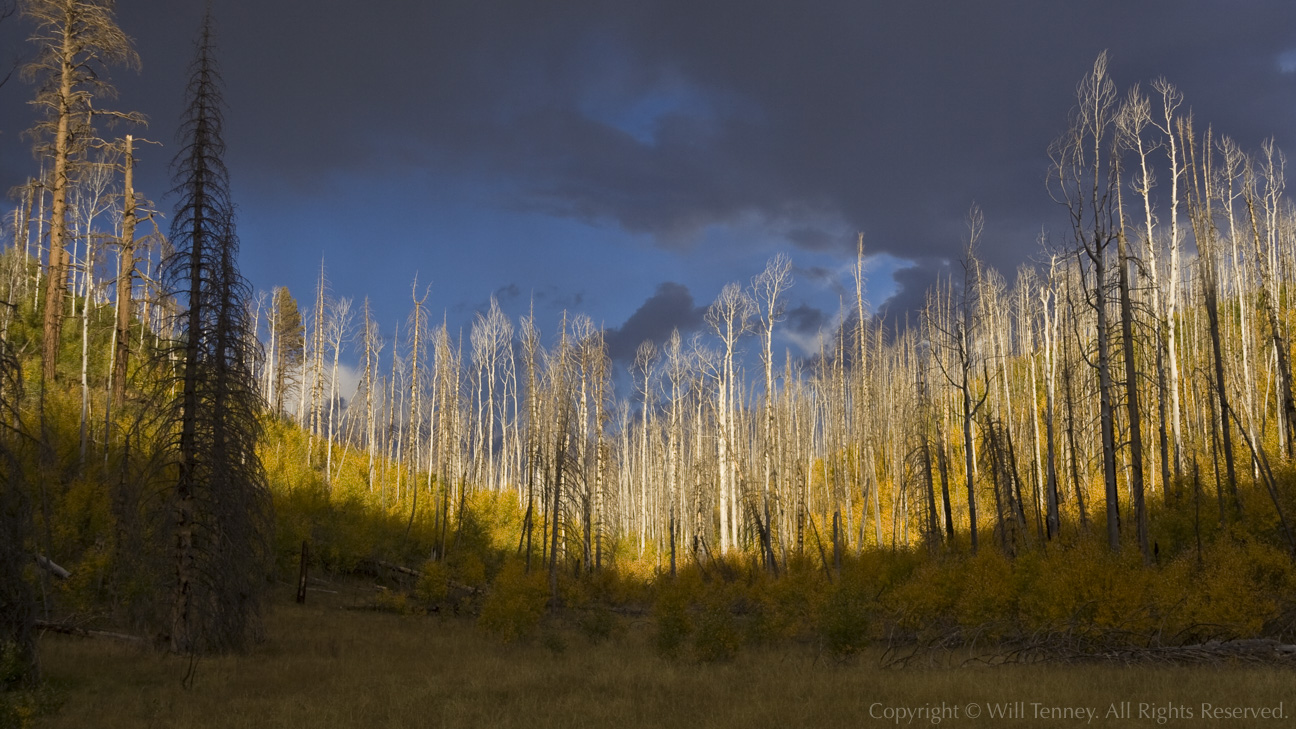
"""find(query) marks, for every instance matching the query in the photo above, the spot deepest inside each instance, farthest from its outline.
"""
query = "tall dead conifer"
(220, 503)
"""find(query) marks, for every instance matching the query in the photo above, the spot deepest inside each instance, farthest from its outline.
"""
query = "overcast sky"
(626, 160)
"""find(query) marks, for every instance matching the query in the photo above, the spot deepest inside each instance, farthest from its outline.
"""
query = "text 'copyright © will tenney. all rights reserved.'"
(1160, 713)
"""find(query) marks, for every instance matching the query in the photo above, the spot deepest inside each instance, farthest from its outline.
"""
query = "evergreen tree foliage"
(220, 503)
(289, 337)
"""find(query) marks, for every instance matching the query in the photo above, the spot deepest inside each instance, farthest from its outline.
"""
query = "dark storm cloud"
(817, 239)
(815, 273)
(826, 278)
(508, 293)
(670, 308)
(557, 299)
(893, 117)
(665, 118)
(806, 319)
(517, 302)
(914, 282)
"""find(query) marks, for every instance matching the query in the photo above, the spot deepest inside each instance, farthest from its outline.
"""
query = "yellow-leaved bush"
(515, 604)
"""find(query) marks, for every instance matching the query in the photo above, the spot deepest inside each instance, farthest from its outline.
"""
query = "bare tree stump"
(301, 579)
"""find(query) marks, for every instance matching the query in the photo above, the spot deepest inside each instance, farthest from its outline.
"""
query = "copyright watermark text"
(1039, 711)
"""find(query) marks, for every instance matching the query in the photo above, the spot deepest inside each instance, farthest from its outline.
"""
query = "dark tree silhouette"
(17, 603)
(220, 502)
(7, 9)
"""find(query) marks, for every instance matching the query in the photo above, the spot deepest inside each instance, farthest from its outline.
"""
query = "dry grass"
(325, 666)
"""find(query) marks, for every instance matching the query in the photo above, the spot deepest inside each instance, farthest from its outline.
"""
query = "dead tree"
(17, 599)
(769, 289)
(1268, 288)
(1082, 178)
(125, 274)
(76, 41)
(955, 325)
(1200, 197)
(730, 317)
(1126, 124)
(220, 505)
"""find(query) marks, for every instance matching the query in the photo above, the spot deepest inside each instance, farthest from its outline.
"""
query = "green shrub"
(516, 603)
(598, 623)
(467, 567)
(674, 624)
(717, 638)
(844, 617)
(392, 601)
(433, 587)
(553, 641)
(1240, 587)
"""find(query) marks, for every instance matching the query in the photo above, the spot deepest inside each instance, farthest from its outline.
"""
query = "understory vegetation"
(327, 665)
(1208, 581)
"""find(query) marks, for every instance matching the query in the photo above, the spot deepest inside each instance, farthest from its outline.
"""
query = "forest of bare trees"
(1147, 343)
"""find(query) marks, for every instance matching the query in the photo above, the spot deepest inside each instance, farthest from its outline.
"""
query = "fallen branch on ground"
(84, 632)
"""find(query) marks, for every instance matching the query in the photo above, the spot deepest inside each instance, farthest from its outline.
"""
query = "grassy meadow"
(334, 663)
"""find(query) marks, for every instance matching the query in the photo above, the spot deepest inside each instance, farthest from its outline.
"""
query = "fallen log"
(397, 568)
(416, 574)
(80, 632)
(1251, 650)
(49, 566)
(960, 646)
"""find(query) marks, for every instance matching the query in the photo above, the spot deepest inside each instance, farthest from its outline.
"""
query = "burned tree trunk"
(219, 503)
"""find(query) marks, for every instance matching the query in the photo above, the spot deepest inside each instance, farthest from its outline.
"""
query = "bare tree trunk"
(370, 372)
(1205, 233)
(1171, 98)
(1132, 400)
(125, 278)
(924, 445)
(56, 282)
(1267, 297)
(1049, 306)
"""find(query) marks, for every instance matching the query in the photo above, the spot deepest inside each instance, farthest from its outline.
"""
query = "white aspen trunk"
(508, 424)
(332, 415)
(369, 378)
(434, 407)
(1032, 411)
(1241, 286)
(390, 448)
(273, 316)
(301, 396)
(643, 473)
(1172, 297)
(727, 523)
(145, 324)
(40, 239)
(415, 410)
(85, 354)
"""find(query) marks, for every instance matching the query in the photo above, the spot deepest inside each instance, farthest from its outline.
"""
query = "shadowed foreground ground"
(327, 666)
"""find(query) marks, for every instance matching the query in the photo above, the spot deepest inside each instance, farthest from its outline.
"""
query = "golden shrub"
(515, 604)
